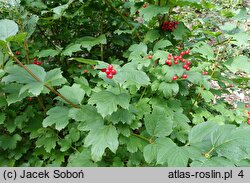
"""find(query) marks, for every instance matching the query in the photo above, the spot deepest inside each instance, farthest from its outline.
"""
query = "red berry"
(205, 73)
(30, 99)
(35, 58)
(183, 60)
(187, 52)
(79, 66)
(182, 53)
(184, 66)
(188, 68)
(113, 71)
(246, 106)
(248, 121)
(176, 62)
(175, 78)
(110, 67)
(103, 70)
(110, 76)
(188, 63)
(93, 67)
(108, 71)
(150, 56)
(184, 76)
(248, 112)
(176, 57)
(168, 62)
(86, 71)
(18, 53)
(169, 56)
(37, 63)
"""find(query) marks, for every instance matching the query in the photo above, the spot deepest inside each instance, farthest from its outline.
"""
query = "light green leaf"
(48, 53)
(151, 11)
(35, 88)
(240, 39)
(240, 63)
(213, 162)
(73, 93)
(122, 115)
(100, 139)
(30, 24)
(86, 61)
(12, 90)
(47, 140)
(88, 117)
(151, 36)
(8, 28)
(158, 124)
(207, 95)
(195, 77)
(119, 32)
(65, 144)
(137, 50)
(129, 76)
(57, 115)
(231, 142)
(19, 38)
(168, 89)
(201, 131)
(162, 44)
(142, 107)
(181, 31)
(81, 159)
(54, 77)
(163, 151)
(74, 134)
(88, 42)
(107, 102)
(150, 153)
(204, 49)
(134, 144)
(70, 49)
(9, 142)
(161, 55)
(19, 75)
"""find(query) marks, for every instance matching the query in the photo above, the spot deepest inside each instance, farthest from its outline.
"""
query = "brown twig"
(38, 79)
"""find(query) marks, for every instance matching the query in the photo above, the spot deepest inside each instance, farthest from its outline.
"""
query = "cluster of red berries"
(110, 71)
(169, 25)
(36, 62)
(177, 60)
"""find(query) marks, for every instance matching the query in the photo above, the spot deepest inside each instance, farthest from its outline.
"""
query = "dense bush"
(123, 83)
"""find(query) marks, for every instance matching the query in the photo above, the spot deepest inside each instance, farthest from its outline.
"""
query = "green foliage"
(60, 107)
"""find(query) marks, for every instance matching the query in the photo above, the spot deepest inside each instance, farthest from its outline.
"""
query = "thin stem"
(143, 93)
(144, 138)
(41, 103)
(26, 51)
(38, 79)
(207, 155)
(216, 62)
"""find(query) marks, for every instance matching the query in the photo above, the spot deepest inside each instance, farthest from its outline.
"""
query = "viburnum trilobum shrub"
(122, 84)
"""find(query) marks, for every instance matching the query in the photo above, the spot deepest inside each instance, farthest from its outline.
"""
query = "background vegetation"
(124, 83)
